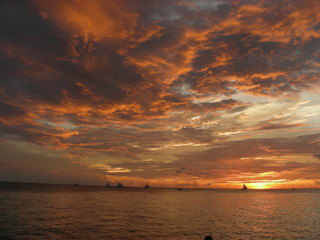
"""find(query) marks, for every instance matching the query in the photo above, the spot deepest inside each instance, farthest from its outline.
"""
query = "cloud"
(8, 110)
(240, 159)
(279, 126)
(139, 66)
(115, 79)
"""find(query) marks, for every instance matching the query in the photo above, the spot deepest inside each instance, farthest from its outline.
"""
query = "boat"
(120, 185)
(146, 186)
(179, 189)
(108, 185)
(244, 187)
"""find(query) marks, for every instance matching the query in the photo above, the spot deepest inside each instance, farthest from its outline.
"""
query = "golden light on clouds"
(213, 94)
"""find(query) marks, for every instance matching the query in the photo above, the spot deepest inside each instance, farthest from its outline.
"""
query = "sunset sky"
(191, 93)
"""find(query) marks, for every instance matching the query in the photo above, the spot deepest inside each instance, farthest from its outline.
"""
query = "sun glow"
(259, 185)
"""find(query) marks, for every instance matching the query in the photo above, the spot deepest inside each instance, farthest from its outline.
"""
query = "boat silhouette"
(244, 187)
(120, 185)
(146, 186)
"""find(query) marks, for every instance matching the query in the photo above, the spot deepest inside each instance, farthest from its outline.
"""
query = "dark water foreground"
(39, 211)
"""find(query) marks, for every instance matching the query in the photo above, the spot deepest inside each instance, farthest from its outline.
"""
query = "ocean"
(43, 211)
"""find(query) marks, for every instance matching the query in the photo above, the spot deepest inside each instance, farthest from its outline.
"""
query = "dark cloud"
(238, 109)
(279, 126)
(22, 26)
(195, 135)
(8, 110)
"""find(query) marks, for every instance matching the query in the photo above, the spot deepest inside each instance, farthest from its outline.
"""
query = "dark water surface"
(36, 211)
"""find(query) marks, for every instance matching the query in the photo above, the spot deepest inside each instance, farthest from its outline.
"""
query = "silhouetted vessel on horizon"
(244, 187)
(146, 186)
(120, 185)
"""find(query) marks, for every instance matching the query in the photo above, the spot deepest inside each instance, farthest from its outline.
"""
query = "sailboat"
(146, 186)
(119, 185)
(108, 185)
(244, 187)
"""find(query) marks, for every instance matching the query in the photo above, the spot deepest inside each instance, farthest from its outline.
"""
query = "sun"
(259, 185)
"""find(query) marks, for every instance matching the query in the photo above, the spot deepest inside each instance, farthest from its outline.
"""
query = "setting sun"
(259, 185)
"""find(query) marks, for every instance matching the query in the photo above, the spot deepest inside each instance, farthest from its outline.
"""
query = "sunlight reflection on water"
(66, 212)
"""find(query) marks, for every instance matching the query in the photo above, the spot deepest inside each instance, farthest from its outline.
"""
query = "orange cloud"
(214, 93)
(96, 20)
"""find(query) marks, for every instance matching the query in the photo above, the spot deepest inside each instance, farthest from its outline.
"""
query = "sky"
(199, 94)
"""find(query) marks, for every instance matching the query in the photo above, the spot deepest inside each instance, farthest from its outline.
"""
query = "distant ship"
(179, 189)
(120, 185)
(146, 186)
(108, 185)
(244, 187)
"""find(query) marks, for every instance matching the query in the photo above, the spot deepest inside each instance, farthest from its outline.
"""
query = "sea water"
(36, 211)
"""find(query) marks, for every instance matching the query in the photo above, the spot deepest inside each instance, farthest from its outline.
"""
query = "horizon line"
(155, 187)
